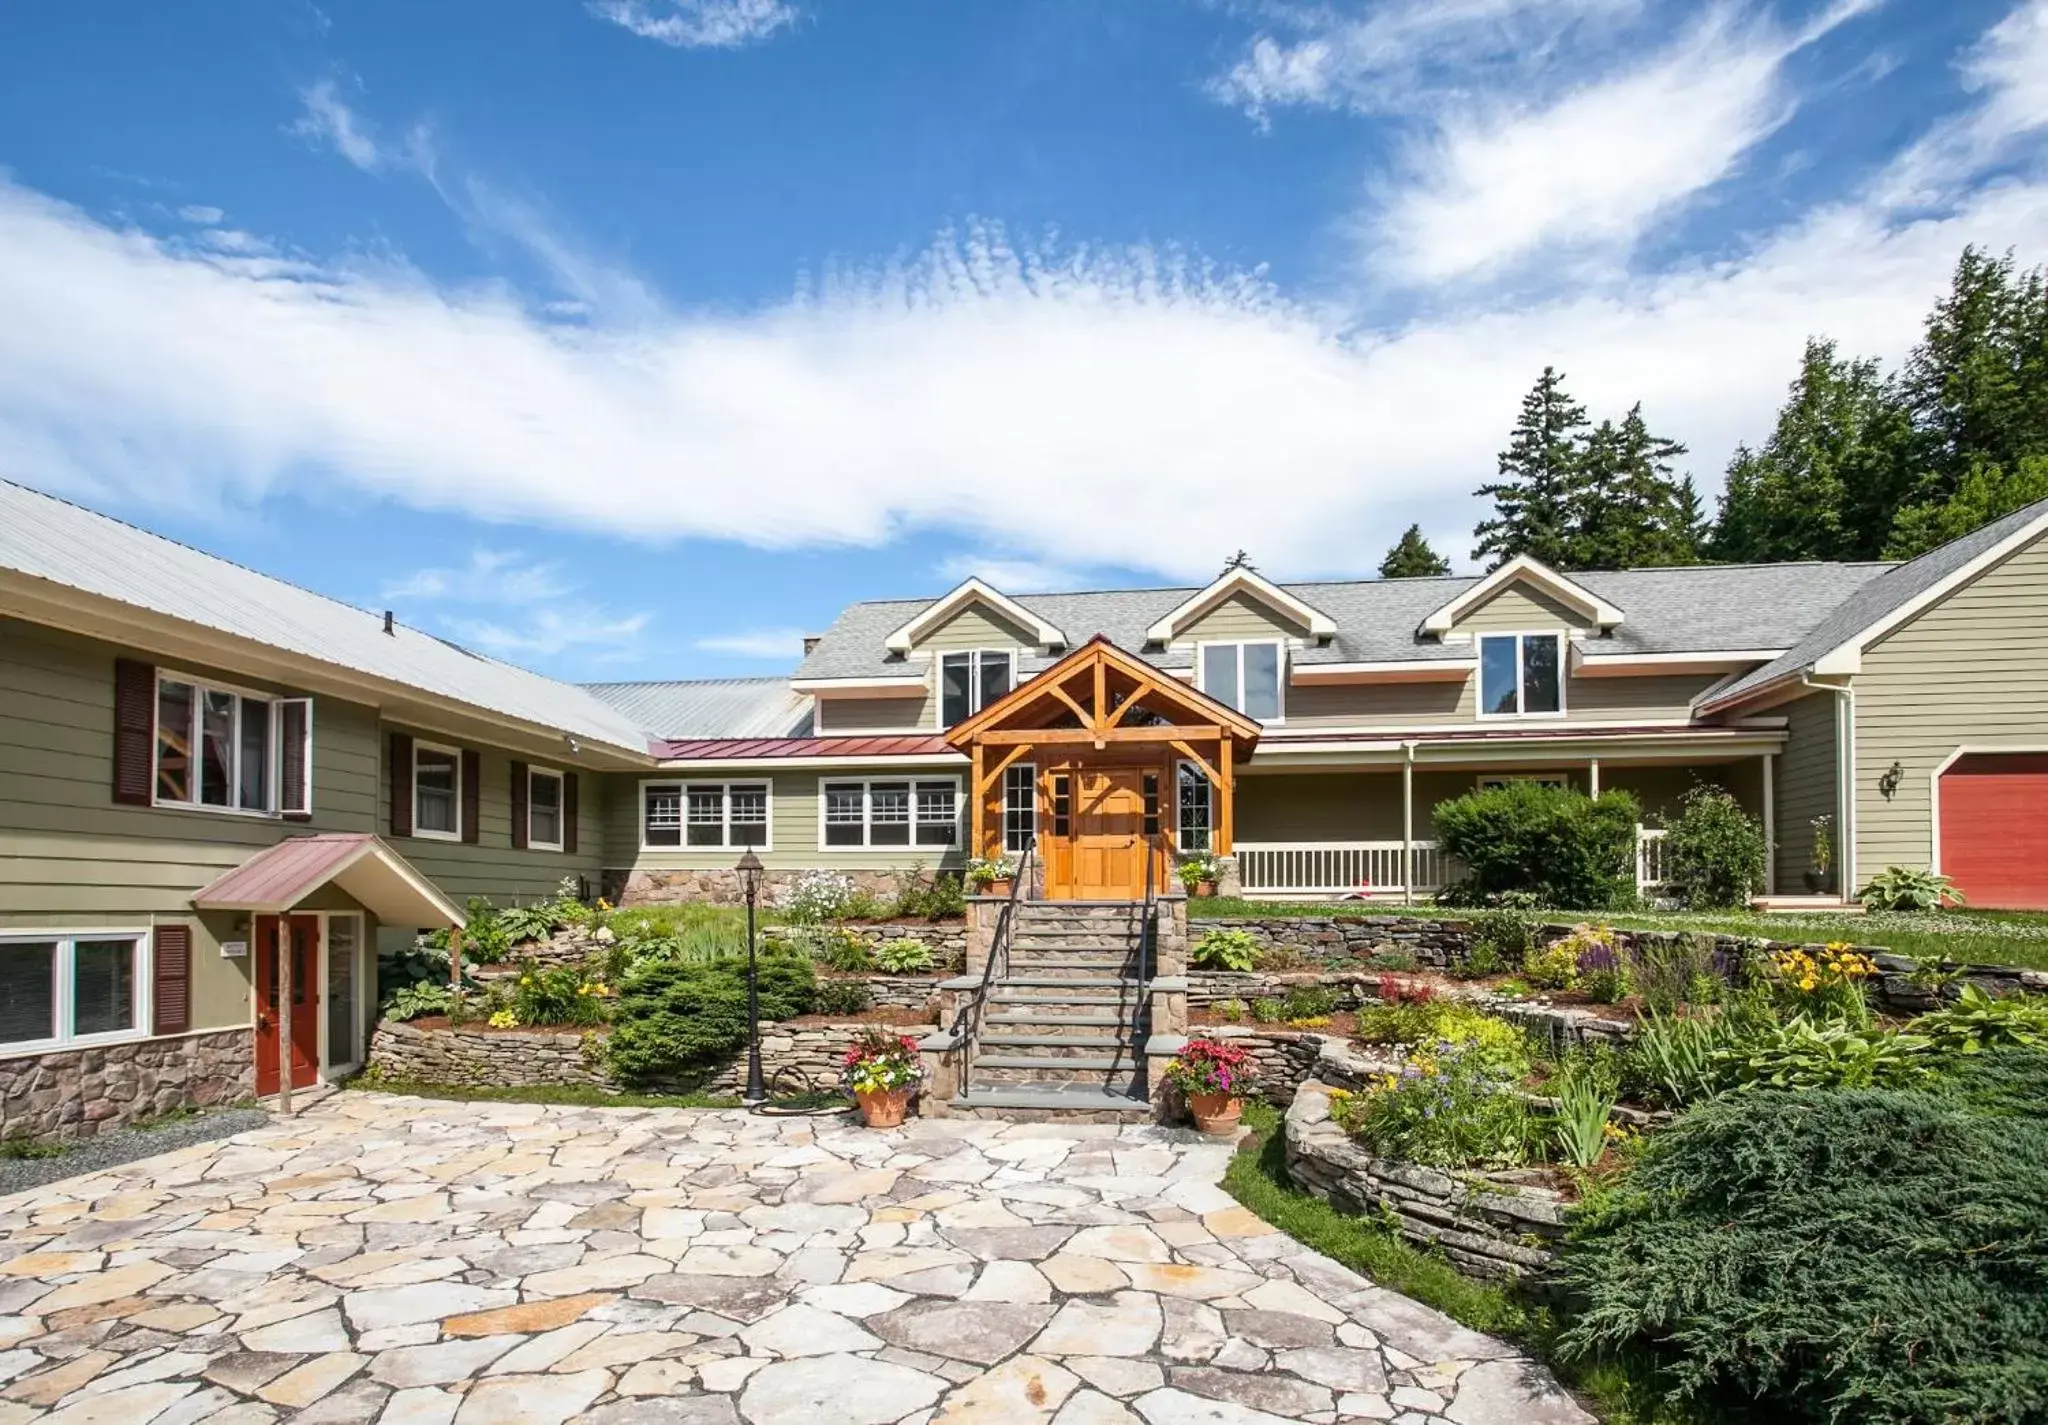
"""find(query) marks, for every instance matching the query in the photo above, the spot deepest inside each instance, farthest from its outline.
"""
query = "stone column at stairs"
(983, 915)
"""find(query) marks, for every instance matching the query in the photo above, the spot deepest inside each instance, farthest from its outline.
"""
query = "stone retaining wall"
(75, 1093)
(483, 1058)
(722, 886)
(1488, 1225)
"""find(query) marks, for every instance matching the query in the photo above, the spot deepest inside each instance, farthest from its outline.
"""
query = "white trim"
(1180, 765)
(561, 808)
(1279, 647)
(763, 766)
(1603, 614)
(971, 590)
(195, 756)
(911, 847)
(328, 1068)
(63, 1004)
(1622, 665)
(1003, 829)
(456, 752)
(1521, 675)
(1962, 750)
(1770, 761)
(1319, 624)
(725, 784)
(872, 687)
(1392, 670)
(973, 657)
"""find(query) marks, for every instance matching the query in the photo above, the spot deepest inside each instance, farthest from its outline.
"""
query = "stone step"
(1107, 951)
(1073, 984)
(1052, 1103)
(1040, 1021)
(1043, 995)
(1064, 1045)
(1071, 940)
(1104, 1074)
(1068, 970)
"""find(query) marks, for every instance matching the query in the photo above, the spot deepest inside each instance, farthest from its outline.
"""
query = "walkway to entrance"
(398, 1260)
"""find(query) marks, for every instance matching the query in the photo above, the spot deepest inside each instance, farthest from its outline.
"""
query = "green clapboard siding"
(1240, 618)
(1805, 784)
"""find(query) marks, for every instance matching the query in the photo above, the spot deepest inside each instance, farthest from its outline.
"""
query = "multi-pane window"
(544, 809)
(1244, 675)
(218, 748)
(1062, 804)
(970, 681)
(704, 815)
(1020, 806)
(64, 989)
(1520, 674)
(1542, 779)
(890, 813)
(1151, 791)
(436, 791)
(1196, 808)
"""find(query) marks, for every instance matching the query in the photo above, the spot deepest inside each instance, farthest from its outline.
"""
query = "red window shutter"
(569, 811)
(172, 977)
(295, 758)
(401, 784)
(134, 731)
(520, 823)
(472, 795)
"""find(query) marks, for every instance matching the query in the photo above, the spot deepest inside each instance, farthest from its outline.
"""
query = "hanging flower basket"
(881, 1071)
(1212, 1076)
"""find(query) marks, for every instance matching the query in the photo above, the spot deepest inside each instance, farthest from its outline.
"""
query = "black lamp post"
(750, 869)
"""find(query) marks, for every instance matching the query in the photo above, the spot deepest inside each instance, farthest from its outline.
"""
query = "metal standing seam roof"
(1891, 590)
(770, 748)
(77, 548)
(712, 707)
(278, 877)
(1689, 609)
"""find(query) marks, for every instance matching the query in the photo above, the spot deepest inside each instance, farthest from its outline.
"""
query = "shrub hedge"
(1549, 846)
(674, 1020)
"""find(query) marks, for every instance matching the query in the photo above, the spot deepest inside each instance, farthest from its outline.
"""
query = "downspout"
(1845, 776)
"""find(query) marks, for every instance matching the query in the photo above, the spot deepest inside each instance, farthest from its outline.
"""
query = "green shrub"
(904, 956)
(1392, 960)
(1867, 1255)
(1554, 966)
(1267, 1010)
(1309, 1002)
(1904, 888)
(1230, 1011)
(1556, 845)
(1471, 1032)
(842, 997)
(1496, 943)
(1226, 948)
(1714, 851)
(925, 895)
(675, 1020)
(2009, 1081)
(1673, 971)
(1447, 1110)
(840, 949)
(425, 997)
(1807, 1053)
(563, 994)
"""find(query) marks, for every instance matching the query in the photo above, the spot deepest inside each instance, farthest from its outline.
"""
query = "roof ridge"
(688, 682)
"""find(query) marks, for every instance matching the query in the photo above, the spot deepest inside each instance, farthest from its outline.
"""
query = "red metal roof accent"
(1278, 742)
(698, 749)
(286, 872)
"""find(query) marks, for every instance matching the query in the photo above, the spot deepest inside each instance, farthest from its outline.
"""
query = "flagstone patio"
(418, 1262)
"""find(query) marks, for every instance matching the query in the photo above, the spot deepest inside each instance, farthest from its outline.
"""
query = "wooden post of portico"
(284, 1013)
(977, 843)
(1408, 823)
(1226, 815)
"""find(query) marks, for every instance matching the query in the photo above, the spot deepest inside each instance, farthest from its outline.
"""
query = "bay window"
(1246, 676)
(69, 988)
(1521, 674)
(892, 813)
(971, 680)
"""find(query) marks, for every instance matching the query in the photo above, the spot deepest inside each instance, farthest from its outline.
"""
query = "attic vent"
(387, 623)
(811, 642)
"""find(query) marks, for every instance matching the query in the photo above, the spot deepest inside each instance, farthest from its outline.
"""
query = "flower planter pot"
(1205, 888)
(997, 888)
(883, 1108)
(1216, 1114)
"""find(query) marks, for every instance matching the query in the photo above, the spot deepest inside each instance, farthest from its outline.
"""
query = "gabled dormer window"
(969, 681)
(1521, 674)
(1246, 676)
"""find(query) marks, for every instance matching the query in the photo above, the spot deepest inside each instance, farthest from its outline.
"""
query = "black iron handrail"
(967, 1023)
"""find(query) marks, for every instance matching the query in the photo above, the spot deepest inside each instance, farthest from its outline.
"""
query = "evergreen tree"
(1987, 493)
(1630, 511)
(1977, 384)
(1412, 558)
(1536, 494)
(1827, 481)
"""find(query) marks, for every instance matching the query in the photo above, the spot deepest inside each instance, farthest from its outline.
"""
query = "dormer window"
(1245, 676)
(1521, 674)
(969, 681)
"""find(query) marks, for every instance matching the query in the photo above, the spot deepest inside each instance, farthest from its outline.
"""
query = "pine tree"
(1987, 493)
(1412, 558)
(1630, 512)
(1535, 496)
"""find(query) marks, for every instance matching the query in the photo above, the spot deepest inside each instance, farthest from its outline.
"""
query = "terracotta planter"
(883, 1108)
(1205, 888)
(1216, 1114)
(998, 888)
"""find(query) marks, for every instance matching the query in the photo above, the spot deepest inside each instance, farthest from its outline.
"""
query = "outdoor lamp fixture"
(750, 869)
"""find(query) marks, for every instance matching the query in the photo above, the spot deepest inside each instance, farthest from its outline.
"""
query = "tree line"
(1861, 463)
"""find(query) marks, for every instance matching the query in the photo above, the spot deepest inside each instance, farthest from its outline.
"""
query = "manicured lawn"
(575, 1095)
(1980, 937)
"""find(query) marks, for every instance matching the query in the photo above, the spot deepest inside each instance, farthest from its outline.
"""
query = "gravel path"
(125, 1145)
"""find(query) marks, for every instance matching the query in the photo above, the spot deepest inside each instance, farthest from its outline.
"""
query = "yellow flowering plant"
(1823, 981)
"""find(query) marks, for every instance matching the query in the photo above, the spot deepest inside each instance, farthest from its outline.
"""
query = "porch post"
(1226, 815)
(977, 829)
(1408, 823)
(1770, 825)
(1593, 776)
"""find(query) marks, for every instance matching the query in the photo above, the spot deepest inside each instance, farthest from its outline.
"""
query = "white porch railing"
(1338, 868)
(1372, 869)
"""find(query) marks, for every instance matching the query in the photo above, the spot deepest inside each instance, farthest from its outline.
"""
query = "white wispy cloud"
(492, 576)
(2009, 67)
(553, 632)
(1150, 412)
(1011, 574)
(699, 24)
(786, 644)
(201, 213)
(328, 121)
(507, 603)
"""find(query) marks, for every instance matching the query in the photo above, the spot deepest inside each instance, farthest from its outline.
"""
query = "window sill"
(79, 1044)
(420, 835)
(554, 846)
(203, 809)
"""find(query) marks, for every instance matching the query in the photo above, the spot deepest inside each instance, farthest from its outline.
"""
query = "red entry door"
(1994, 829)
(305, 1010)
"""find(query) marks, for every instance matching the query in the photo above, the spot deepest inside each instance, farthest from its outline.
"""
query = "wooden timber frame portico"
(1105, 734)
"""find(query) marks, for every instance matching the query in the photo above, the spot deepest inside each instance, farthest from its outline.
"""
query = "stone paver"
(405, 1262)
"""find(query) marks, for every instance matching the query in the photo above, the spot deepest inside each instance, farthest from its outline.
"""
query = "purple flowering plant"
(1208, 1066)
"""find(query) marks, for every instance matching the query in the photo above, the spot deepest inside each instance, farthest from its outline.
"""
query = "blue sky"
(629, 339)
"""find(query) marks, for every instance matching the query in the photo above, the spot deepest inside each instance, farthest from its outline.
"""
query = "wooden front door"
(1108, 834)
(305, 1008)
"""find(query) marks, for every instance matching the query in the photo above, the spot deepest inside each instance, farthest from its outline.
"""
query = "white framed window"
(971, 679)
(1020, 806)
(1494, 781)
(889, 814)
(436, 791)
(1246, 676)
(227, 750)
(60, 989)
(1521, 674)
(544, 809)
(1194, 807)
(705, 815)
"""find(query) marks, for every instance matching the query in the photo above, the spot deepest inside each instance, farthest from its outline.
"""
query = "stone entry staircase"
(1064, 1026)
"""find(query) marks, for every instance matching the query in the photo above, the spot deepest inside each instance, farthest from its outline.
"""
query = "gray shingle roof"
(77, 548)
(1882, 596)
(712, 707)
(1702, 608)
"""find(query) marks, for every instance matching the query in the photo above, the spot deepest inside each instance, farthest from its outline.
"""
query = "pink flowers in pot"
(1210, 1067)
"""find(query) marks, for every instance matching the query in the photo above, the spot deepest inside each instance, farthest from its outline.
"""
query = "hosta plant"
(880, 1062)
(1904, 888)
(1226, 949)
(1978, 1021)
(903, 956)
(1823, 1054)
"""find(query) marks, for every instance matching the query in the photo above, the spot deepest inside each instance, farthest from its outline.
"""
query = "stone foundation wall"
(917, 993)
(722, 886)
(794, 1059)
(482, 1058)
(1486, 1224)
(75, 1093)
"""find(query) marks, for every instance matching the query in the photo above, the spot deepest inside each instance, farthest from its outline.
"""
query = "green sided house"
(204, 770)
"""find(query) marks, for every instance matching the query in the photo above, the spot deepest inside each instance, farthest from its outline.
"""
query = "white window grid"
(64, 1007)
